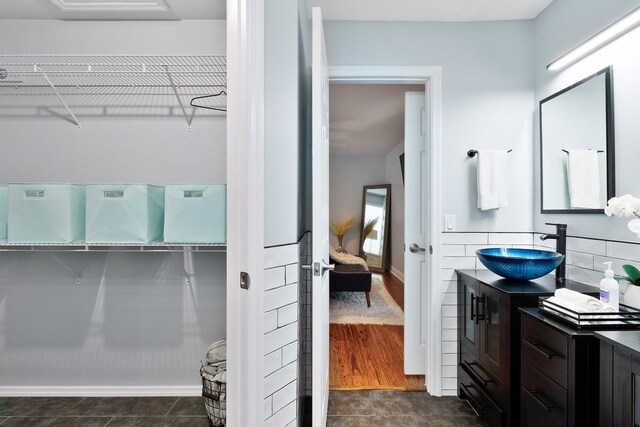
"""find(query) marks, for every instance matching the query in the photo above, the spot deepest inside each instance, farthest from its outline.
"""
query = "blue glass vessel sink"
(519, 264)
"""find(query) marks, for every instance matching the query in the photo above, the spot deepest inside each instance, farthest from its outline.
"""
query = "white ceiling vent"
(111, 6)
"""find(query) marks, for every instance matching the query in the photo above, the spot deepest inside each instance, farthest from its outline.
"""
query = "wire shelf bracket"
(188, 119)
(55, 90)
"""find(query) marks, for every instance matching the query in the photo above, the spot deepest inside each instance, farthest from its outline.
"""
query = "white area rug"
(351, 307)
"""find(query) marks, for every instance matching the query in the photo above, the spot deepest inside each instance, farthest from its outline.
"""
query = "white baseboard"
(399, 274)
(99, 391)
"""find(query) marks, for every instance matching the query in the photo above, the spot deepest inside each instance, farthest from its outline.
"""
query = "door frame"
(245, 211)
(431, 77)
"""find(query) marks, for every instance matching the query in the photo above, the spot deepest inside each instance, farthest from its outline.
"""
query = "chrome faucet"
(561, 247)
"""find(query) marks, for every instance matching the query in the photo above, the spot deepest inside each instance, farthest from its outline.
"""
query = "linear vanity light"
(610, 33)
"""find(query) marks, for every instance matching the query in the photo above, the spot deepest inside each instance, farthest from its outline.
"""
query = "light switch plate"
(449, 222)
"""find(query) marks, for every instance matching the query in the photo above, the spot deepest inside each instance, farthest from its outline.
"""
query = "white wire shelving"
(75, 86)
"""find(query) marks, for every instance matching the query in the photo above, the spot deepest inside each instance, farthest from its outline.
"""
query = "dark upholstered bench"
(350, 278)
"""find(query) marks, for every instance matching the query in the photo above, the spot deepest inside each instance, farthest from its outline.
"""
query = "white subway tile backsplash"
(291, 274)
(580, 259)
(449, 347)
(453, 250)
(287, 314)
(449, 298)
(449, 383)
(270, 321)
(590, 246)
(449, 286)
(510, 239)
(460, 263)
(280, 337)
(278, 297)
(449, 335)
(449, 323)
(290, 353)
(465, 238)
(280, 378)
(584, 275)
(616, 264)
(621, 250)
(449, 359)
(449, 371)
(268, 407)
(272, 362)
(470, 250)
(283, 417)
(284, 396)
(281, 255)
(274, 278)
(450, 311)
(448, 274)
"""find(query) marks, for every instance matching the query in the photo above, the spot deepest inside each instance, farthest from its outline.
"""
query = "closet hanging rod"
(599, 151)
(472, 153)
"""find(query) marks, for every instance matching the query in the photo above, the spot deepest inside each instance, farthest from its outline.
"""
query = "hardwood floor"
(371, 357)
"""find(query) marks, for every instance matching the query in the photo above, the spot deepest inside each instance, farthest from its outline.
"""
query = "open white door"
(415, 232)
(320, 223)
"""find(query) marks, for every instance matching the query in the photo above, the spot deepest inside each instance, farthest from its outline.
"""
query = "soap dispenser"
(610, 289)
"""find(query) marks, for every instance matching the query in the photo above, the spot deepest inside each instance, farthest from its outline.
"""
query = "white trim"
(100, 391)
(397, 273)
(245, 211)
(432, 78)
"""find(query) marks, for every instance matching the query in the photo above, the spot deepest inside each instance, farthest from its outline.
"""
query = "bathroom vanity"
(489, 335)
(619, 377)
(559, 373)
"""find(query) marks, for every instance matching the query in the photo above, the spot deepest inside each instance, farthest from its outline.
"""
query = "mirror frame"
(610, 151)
(387, 225)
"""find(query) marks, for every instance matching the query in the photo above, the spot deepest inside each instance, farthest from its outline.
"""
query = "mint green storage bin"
(124, 213)
(4, 208)
(46, 213)
(195, 213)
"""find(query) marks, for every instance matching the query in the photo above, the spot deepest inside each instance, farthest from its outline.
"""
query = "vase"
(632, 296)
(340, 248)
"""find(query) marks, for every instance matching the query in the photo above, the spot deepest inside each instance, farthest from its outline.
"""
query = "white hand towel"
(584, 179)
(492, 179)
(588, 304)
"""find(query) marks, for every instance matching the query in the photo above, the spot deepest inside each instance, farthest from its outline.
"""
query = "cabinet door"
(493, 314)
(467, 312)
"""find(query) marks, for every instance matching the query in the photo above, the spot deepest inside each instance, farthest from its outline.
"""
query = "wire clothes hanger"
(222, 92)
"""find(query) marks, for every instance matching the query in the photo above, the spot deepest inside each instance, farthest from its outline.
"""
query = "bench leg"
(368, 299)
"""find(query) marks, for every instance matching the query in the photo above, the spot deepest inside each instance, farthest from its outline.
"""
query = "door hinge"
(244, 280)
(430, 250)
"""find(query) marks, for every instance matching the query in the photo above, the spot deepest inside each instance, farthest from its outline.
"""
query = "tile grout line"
(174, 404)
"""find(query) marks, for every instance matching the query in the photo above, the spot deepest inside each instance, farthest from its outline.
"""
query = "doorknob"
(414, 248)
(319, 268)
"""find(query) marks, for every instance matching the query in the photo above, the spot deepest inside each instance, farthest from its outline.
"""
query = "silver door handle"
(414, 248)
(319, 267)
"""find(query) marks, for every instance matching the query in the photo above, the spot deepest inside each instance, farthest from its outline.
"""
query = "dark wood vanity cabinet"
(559, 373)
(489, 340)
(619, 378)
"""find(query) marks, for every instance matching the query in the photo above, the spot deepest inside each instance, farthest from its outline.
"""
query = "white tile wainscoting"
(585, 259)
(281, 335)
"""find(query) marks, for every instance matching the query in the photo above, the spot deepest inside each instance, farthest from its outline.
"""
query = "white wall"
(347, 176)
(133, 322)
(487, 100)
(394, 177)
(563, 25)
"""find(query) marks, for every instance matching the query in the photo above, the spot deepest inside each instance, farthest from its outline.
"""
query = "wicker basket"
(215, 400)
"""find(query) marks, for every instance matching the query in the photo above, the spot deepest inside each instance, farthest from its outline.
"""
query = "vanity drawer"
(542, 401)
(546, 349)
(479, 400)
(485, 379)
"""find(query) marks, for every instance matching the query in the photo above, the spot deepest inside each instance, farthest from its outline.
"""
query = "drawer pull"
(470, 396)
(472, 303)
(534, 393)
(541, 350)
(475, 373)
(479, 317)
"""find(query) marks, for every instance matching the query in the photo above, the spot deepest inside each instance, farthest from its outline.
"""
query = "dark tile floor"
(103, 411)
(393, 409)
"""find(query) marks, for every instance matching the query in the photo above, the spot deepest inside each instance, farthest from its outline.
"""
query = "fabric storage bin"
(4, 208)
(124, 213)
(46, 213)
(195, 213)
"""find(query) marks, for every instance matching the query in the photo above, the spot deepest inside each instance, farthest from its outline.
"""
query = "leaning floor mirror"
(576, 147)
(375, 231)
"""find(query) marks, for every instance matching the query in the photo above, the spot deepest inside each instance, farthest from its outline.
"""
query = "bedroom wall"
(347, 176)
(133, 325)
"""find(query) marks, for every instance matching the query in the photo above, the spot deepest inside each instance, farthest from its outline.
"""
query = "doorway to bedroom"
(367, 212)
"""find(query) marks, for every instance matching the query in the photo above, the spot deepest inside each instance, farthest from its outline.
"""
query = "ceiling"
(47, 9)
(367, 119)
(430, 10)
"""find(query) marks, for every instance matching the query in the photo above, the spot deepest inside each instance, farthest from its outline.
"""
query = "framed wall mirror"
(577, 166)
(375, 231)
